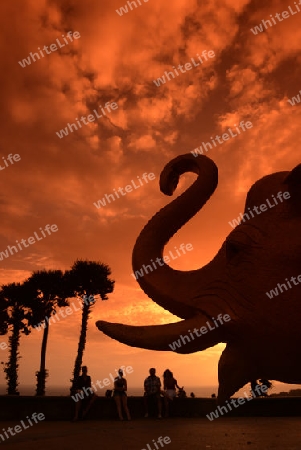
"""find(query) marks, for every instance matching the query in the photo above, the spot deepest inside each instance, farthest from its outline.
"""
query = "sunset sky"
(57, 180)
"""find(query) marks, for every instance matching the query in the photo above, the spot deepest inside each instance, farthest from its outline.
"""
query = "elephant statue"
(263, 337)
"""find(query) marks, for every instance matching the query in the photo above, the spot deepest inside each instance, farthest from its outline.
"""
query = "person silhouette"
(169, 385)
(255, 388)
(267, 384)
(152, 388)
(83, 387)
(120, 397)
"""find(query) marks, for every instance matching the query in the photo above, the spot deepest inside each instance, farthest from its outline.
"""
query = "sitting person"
(82, 385)
(120, 397)
(169, 384)
(152, 385)
(182, 393)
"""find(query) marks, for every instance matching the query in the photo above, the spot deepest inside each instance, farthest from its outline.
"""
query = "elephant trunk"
(172, 289)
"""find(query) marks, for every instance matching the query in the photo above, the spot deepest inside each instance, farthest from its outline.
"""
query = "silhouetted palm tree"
(87, 279)
(15, 297)
(50, 294)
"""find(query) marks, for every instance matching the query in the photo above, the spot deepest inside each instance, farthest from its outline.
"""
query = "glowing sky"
(57, 180)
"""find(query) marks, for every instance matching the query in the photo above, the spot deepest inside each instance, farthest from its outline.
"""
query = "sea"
(199, 391)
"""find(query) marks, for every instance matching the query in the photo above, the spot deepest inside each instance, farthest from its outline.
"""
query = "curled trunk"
(172, 289)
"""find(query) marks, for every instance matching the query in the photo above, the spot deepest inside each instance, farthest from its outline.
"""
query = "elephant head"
(263, 336)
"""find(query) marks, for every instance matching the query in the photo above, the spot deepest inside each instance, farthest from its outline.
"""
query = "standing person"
(120, 397)
(253, 384)
(267, 384)
(255, 389)
(152, 388)
(83, 384)
(169, 385)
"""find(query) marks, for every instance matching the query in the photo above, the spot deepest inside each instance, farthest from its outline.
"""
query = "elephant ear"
(293, 180)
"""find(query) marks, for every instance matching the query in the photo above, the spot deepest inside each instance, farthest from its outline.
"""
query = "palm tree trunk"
(11, 369)
(42, 374)
(81, 345)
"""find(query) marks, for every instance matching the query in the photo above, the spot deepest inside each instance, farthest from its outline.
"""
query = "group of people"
(152, 393)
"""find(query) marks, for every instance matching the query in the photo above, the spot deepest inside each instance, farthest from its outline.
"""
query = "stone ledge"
(62, 408)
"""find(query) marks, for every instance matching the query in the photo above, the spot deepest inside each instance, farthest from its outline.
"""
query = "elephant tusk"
(181, 337)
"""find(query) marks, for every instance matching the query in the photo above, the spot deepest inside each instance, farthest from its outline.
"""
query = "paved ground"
(185, 434)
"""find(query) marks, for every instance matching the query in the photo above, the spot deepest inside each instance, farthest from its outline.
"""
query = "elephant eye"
(232, 249)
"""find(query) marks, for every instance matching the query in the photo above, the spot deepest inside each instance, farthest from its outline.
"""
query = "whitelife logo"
(260, 390)
(106, 382)
(128, 188)
(263, 207)
(3, 346)
(36, 417)
(221, 139)
(161, 440)
(295, 100)
(166, 259)
(91, 118)
(31, 240)
(285, 15)
(124, 9)
(16, 157)
(53, 48)
(188, 66)
(273, 292)
(203, 330)
(67, 310)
